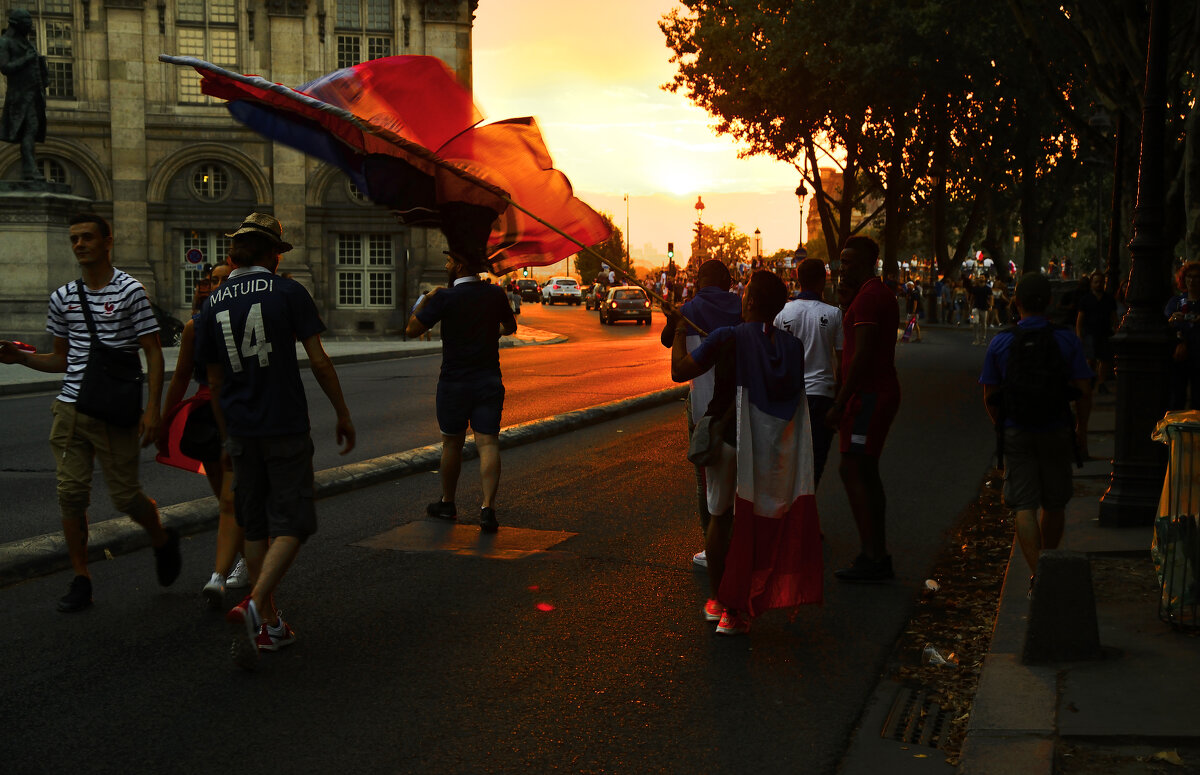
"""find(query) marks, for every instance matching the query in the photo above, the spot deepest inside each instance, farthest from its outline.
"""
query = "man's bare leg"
(489, 466)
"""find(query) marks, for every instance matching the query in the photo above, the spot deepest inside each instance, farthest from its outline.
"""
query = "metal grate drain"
(914, 719)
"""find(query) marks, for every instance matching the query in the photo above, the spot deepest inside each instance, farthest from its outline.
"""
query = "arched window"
(51, 170)
(210, 182)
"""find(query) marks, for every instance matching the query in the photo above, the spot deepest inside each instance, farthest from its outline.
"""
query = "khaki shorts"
(77, 440)
(1037, 468)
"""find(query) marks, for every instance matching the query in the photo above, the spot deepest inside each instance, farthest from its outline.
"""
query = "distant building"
(174, 172)
(831, 182)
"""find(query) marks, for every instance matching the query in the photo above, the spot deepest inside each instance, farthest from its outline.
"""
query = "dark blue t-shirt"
(471, 313)
(995, 360)
(250, 326)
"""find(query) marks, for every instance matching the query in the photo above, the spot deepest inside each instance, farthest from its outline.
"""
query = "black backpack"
(1037, 389)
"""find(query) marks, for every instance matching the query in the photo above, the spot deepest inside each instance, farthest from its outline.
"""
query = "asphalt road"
(435, 660)
(392, 403)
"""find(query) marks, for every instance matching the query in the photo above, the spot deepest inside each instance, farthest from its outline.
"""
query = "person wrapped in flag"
(763, 544)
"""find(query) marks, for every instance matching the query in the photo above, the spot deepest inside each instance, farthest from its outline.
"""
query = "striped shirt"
(121, 312)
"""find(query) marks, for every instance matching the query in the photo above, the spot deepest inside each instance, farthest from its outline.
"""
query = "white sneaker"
(239, 577)
(214, 591)
(700, 559)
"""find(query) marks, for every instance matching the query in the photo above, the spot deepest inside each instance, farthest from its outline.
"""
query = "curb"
(44, 554)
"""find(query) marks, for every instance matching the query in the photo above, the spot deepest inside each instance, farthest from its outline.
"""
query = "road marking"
(423, 535)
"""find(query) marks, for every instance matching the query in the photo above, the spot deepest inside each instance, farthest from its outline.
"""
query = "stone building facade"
(173, 171)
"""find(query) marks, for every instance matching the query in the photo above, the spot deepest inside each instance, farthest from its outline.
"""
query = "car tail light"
(556, 286)
(612, 304)
(647, 304)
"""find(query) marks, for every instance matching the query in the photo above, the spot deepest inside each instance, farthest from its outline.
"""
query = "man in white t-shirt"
(123, 320)
(819, 326)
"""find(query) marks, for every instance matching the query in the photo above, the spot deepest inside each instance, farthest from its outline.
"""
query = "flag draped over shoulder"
(774, 556)
(408, 136)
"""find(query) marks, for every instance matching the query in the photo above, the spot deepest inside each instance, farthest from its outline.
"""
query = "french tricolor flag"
(774, 556)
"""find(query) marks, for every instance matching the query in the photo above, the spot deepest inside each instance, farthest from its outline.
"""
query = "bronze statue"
(24, 118)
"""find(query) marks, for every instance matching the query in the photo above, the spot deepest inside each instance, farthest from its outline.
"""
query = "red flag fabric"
(172, 432)
(512, 155)
(405, 132)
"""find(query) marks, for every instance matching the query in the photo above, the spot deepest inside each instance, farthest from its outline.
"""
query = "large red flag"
(405, 132)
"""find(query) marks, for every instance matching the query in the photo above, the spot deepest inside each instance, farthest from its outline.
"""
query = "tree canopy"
(611, 251)
(969, 123)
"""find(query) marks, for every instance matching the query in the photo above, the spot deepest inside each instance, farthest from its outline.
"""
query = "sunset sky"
(591, 74)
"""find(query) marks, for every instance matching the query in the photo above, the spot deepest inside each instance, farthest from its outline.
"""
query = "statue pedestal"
(36, 258)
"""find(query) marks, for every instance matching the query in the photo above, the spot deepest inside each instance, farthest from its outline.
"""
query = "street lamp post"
(757, 244)
(627, 243)
(700, 228)
(1142, 345)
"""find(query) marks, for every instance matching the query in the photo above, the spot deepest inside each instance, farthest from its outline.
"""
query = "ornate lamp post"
(757, 244)
(700, 228)
(1142, 344)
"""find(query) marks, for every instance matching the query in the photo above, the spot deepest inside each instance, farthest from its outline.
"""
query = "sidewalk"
(17, 379)
(1140, 699)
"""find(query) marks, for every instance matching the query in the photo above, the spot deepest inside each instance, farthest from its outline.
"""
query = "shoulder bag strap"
(81, 292)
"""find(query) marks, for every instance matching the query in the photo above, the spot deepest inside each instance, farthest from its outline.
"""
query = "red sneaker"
(733, 623)
(246, 624)
(713, 611)
(272, 637)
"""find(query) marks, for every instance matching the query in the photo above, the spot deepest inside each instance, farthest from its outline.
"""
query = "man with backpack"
(1031, 374)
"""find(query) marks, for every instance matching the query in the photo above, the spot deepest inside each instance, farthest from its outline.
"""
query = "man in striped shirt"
(123, 320)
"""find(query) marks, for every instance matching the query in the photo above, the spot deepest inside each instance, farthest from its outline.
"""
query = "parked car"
(594, 295)
(529, 290)
(564, 289)
(625, 302)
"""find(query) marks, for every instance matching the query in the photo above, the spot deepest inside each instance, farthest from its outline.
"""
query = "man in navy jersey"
(247, 334)
(123, 320)
(474, 315)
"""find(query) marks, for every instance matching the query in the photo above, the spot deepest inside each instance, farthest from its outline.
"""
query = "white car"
(564, 289)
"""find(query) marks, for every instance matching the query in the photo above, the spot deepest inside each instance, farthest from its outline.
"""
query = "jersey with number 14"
(250, 326)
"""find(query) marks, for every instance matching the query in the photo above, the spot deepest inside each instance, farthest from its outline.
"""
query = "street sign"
(194, 256)
(801, 253)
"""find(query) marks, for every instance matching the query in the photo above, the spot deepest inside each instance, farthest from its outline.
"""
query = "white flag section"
(775, 552)
(702, 386)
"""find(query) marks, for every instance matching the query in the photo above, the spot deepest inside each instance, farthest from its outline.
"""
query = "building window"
(53, 21)
(213, 246)
(356, 193)
(206, 29)
(363, 26)
(366, 274)
(51, 170)
(210, 182)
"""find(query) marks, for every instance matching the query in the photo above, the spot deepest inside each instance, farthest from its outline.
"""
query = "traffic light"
(670, 251)
(525, 272)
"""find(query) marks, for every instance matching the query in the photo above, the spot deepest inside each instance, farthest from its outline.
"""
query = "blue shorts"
(478, 403)
(273, 486)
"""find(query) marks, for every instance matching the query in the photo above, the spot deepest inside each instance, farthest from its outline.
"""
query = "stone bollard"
(1062, 611)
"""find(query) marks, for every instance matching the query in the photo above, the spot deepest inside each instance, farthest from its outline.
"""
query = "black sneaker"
(167, 560)
(864, 570)
(487, 520)
(442, 510)
(78, 597)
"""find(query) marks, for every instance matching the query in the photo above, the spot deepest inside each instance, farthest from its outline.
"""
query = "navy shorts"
(273, 485)
(477, 403)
